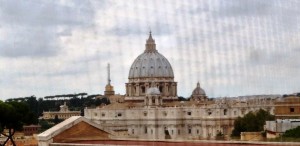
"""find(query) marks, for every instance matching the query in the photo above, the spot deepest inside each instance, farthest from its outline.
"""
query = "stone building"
(63, 113)
(29, 130)
(287, 108)
(151, 110)
(277, 127)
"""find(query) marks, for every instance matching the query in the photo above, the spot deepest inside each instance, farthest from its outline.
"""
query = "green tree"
(45, 125)
(34, 108)
(75, 102)
(98, 101)
(56, 120)
(238, 127)
(251, 122)
(293, 133)
(12, 117)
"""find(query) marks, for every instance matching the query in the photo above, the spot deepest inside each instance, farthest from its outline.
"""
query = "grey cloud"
(256, 56)
(45, 13)
(32, 28)
(233, 7)
(124, 31)
(275, 58)
(284, 13)
(70, 72)
(133, 28)
(103, 56)
(245, 7)
(262, 57)
(29, 42)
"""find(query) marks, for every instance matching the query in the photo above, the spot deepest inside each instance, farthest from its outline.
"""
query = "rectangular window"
(190, 131)
(189, 113)
(292, 110)
(119, 114)
(132, 131)
(209, 113)
(197, 131)
(160, 88)
(146, 130)
(225, 111)
(178, 132)
(165, 113)
(103, 114)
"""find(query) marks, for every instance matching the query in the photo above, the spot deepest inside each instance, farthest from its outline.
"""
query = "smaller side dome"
(153, 91)
(198, 94)
(198, 90)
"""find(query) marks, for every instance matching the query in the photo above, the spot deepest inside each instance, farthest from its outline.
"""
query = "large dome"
(150, 63)
(151, 68)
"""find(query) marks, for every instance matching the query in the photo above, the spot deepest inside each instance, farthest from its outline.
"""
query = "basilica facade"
(150, 109)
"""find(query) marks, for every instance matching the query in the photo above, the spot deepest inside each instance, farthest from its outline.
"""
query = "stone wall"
(251, 136)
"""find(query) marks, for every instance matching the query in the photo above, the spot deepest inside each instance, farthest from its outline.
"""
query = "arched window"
(146, 130)
(225, 111)
(160, 88)
(190, 130)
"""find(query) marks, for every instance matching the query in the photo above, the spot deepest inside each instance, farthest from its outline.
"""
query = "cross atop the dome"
(198, 84)
(150, 36)
(150, 44)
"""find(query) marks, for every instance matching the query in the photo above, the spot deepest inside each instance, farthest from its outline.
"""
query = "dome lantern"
(150, 44)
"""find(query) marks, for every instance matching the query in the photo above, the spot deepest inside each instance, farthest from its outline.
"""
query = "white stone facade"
(179, 122)
(279, 126)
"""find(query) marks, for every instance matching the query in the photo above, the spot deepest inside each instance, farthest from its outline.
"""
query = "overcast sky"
(233, 47)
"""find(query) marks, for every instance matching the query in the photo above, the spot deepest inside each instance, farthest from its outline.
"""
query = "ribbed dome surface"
(151, 64)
